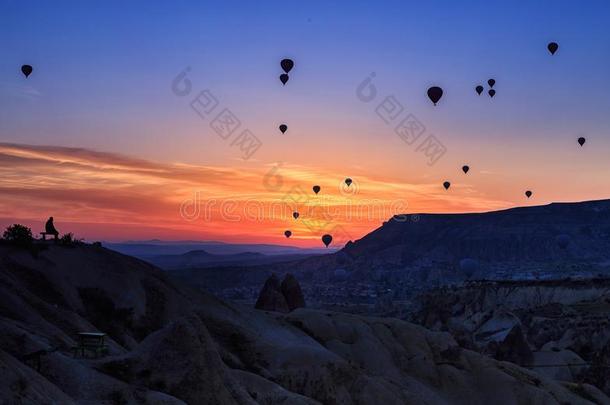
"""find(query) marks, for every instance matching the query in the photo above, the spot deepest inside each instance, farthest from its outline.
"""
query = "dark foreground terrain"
(170, 344)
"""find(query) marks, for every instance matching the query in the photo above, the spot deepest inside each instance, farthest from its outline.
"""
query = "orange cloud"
(109, 196)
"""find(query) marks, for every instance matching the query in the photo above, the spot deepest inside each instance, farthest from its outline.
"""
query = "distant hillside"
(566, 231)
(171, 345)
(201, 258)
(150, 248)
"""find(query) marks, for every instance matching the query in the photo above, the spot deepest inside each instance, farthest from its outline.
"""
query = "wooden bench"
(92, 342)
(44, 235)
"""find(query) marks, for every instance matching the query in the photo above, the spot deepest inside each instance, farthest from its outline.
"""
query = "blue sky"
(103, 73)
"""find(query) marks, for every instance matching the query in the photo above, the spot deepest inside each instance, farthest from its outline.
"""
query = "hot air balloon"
(283, 128)
(446, 185)
(552, 47)
(316, 189)
(562, 240)
(348, 181)
(465, 169)
(491, 92)
(288, 234)
(284, 78)
(435, 94)
(581, 141)
(491, 82)
(287, 65)
(469, 266)
(295, 215)
(528, 194)
(26, 70)
(479, 90)
(326, 239)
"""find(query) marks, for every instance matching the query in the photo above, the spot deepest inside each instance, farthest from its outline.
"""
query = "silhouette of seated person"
(49, 229)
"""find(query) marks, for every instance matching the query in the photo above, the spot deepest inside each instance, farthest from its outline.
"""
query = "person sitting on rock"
(49, 228)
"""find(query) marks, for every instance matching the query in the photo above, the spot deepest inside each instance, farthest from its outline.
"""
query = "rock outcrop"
(291, 290)
(560, 328)
(284, 297)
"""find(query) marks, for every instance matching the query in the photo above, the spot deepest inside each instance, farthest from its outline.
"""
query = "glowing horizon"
(111, 133)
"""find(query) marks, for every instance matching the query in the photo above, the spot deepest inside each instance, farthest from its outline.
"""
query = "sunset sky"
(103, 134)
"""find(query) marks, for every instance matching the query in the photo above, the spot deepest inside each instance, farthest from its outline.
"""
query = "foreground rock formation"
(559, 327)
(171, 345)
(284, 297)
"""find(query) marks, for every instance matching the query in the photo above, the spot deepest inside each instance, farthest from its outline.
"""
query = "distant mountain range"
(201, 258)
(151, 248)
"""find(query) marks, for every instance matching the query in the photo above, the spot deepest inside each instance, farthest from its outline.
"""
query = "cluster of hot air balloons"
(435, 93)
(287, 65)
(466, 169)
(327, 238)
(491, 82)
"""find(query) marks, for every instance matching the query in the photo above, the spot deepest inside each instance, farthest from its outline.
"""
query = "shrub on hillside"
(19, 235)
(68, 239)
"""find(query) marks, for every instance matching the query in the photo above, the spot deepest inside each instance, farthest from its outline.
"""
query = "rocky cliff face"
(169, 344)
(558, 327)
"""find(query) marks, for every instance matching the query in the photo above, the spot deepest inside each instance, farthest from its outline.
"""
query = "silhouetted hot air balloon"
(26, 70)
(491, 82)
(581, 141)
(295, 215)
(348, 181)
(552, 47)
(326, 239)
(469, 266)
(465, 169)
(283, 128)
(287, 65)
(479, 90)
(528, 194)
(562, 240)
(491, 92)
(434, 94)
(287, 234)
(446, 185)
(316, 189)
(284, 78)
